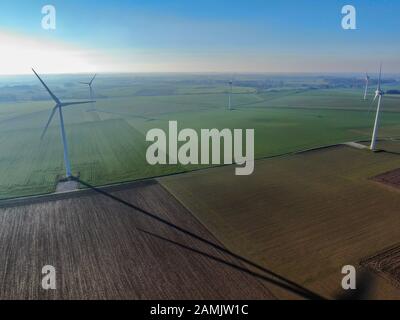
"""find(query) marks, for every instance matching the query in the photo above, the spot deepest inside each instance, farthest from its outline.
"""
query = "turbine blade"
(47, 88)
(75, 103)
(48, 122)
(93, 79)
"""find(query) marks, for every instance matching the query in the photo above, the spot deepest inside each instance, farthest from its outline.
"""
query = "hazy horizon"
(216, 73)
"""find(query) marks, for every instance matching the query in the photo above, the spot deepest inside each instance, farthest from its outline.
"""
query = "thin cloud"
(19, 53)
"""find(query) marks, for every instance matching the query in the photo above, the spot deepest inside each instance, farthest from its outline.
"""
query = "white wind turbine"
(378, 94)
(230, 94)
(58, 107)
(90, 88)
(366, 86)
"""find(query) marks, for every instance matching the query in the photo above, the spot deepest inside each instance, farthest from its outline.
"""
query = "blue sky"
(202, 36)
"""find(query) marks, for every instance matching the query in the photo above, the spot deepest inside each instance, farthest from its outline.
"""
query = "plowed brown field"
(103, 249)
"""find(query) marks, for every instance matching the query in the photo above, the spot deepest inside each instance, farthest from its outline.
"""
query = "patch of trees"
(393, 92)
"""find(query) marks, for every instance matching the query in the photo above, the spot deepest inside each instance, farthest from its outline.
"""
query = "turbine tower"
(58, 107)
(378, 94)
(366, 86)
(230, 94)
(90, 88)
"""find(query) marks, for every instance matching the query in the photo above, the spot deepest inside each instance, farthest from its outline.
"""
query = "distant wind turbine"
(90, 88)
(230, 94)
(58, 107)
(366, 86)
(378, 94)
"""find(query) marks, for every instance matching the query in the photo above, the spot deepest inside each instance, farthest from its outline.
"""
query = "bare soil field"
(386, 264)
(391, 178)
(104, 249)
(303, 216)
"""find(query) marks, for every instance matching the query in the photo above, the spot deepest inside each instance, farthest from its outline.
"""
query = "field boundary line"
(19, 201)
(29, 200)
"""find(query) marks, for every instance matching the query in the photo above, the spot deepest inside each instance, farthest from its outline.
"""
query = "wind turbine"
(230, 94)
(90, 87)
(378, 94)
(58, 107)
(366, 86)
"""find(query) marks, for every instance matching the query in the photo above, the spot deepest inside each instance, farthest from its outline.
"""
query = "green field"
(109, 146)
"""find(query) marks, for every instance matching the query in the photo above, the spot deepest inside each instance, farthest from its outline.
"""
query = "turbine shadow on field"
(297, 291)
(364, 279)
(281, 281)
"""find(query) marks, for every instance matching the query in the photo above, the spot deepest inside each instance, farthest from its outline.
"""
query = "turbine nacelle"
(378, 93)
(90, 82)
